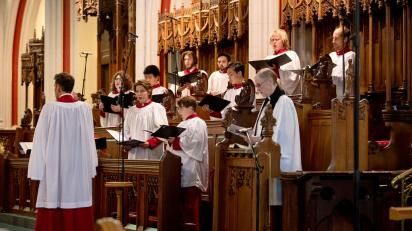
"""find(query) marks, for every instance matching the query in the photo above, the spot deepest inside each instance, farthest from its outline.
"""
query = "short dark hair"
(187, 101)
(237, 66)
(224, 55)
(152, 69)
(65, 81)
(191, 53)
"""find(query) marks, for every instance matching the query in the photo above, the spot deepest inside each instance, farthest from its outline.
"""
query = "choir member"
(64, 160)
(218, 80)
(340, 41)
(236, 72)
(152, 75)
(145, 116)
(192, 147)
(286, 129)
(108, 119)
(187, 88)
(289, 81)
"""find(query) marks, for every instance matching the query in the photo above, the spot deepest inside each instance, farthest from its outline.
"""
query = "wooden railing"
(154, 198)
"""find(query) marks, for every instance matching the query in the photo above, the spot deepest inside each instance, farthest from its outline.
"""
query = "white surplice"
(148, 118)
(159, 90)
(64, 156)
(217, 82)
(285, 133)
(337, 75)
(194, 153)
(289, 81)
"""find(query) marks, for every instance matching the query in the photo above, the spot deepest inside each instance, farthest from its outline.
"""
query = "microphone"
(133, 35)
(86, 53)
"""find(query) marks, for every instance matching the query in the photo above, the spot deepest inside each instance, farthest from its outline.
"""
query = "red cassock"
(78, 219)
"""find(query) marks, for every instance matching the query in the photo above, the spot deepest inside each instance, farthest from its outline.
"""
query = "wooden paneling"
(323, 201)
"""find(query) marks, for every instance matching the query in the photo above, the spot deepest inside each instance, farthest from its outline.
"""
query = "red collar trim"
(194, 115)
(141, 105)
(66, 99)
(343, 51)
(238, 85)
(189, 71)
(280, 51)
(115, 92)
(156, 86)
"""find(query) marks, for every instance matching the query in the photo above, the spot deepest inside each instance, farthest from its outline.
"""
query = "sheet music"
(117, 135)
(25, 146)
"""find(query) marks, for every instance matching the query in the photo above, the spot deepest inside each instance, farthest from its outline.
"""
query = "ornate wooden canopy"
(202, 23)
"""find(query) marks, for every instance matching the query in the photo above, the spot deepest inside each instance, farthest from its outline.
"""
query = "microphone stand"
(131, 41)
(122, 185)
(356, 177)
(85, 55)
(258, 169)
(174, 52)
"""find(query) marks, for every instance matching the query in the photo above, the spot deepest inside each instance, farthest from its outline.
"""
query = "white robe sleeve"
(90, 134)
(160, 116)
(286, 134)
(192, 140)
(37, 162)
(289, 80)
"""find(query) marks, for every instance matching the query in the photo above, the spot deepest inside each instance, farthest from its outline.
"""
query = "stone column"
(53, 46)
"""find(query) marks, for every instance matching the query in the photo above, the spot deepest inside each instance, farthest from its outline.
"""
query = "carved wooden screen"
(32, 70)
(207, 28)
(116, 19)
(385, 38)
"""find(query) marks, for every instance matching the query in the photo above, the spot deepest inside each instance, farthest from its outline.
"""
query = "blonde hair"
(145, 84)
(283, 36)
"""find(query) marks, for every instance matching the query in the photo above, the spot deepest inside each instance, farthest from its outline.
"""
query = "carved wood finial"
(349, 81)
(268, 122)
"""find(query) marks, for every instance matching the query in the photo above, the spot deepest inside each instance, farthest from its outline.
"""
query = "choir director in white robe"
(147, 116)
(286, 129)
(192, 147)
(64, 160)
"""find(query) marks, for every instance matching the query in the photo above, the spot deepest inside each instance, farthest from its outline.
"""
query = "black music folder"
(158, 98)
(215, 103)
(108, 101)
(279, 60)
(189, 78)
(166, 131)
(100, 143)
